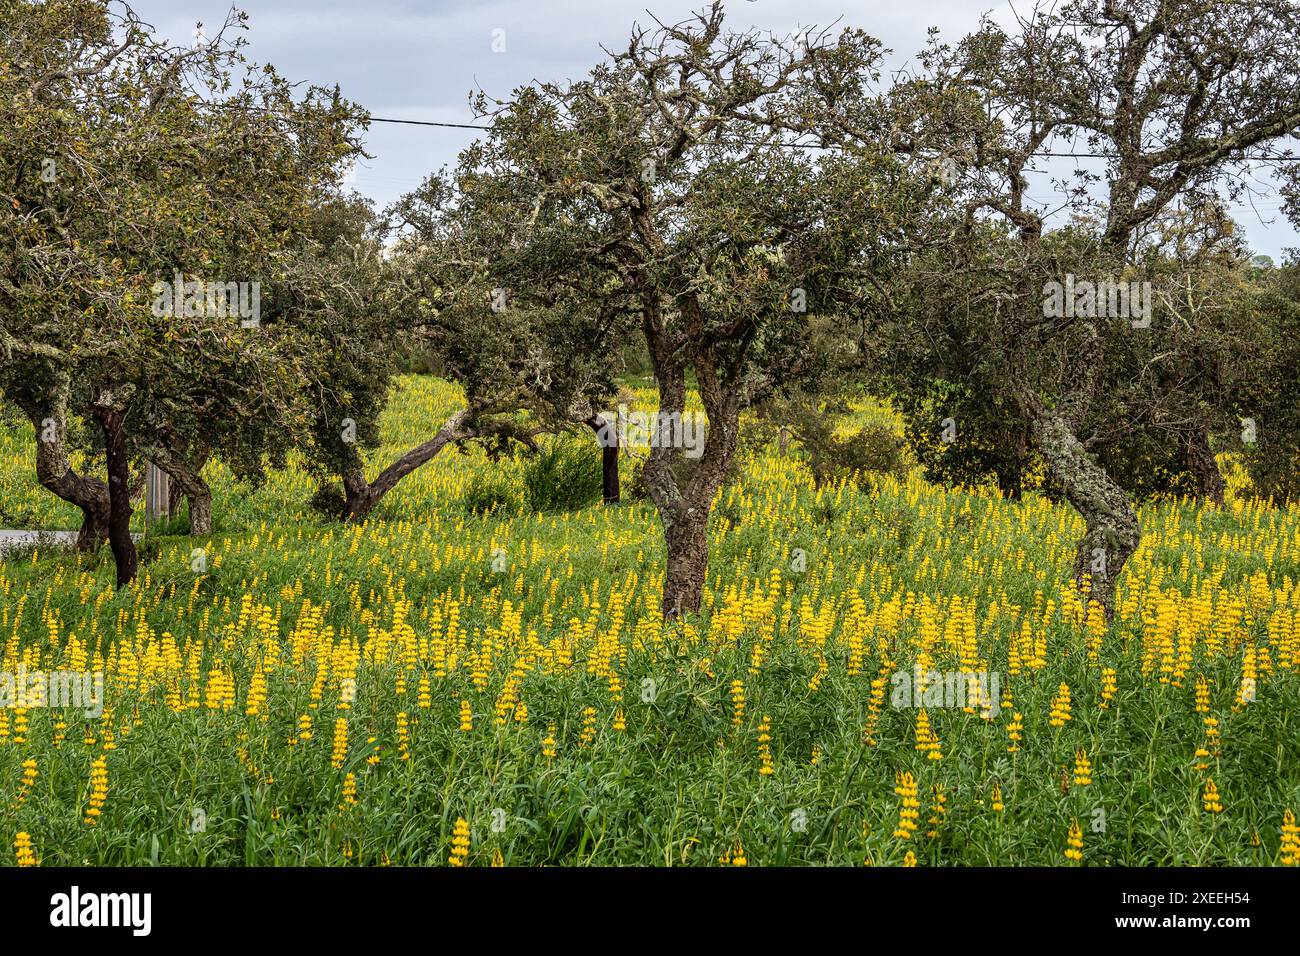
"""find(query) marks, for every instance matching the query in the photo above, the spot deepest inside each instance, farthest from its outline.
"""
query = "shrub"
(564, 476)
(494, 493)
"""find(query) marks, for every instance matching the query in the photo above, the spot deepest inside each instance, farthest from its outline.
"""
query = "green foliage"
(492, 495)
(564, 476)
(833, 446)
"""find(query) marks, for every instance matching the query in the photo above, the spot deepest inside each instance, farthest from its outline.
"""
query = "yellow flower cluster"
(24, 855)
(765, 747)
(98, 789)
(1082, 768)
(909, 807)
(1074, 842)
(459, 843)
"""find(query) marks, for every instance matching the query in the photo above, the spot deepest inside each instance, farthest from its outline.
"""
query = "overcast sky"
(420, 60)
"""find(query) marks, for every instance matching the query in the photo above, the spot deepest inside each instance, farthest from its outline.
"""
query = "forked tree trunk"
(685, 511)
(361, 496)
(607, 435)
(55, 472)
(1113, 532)
(119, 493)
(1198, 458)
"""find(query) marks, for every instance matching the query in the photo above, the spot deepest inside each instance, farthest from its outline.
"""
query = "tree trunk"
(607, 435)
(189, 481)
(1113, 532)
(687, 540)
(685, 511)
(357, 501)
(1198, 458)
(119, 493)
(360, 496)
(55, 473)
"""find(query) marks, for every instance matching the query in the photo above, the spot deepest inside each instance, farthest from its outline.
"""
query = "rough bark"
(687, 542)
(119, 493)
(1113, 532)
(607, 435)
(361, 496)
(684, 511)
(55, 472)
(1198, 458)
(187, 480)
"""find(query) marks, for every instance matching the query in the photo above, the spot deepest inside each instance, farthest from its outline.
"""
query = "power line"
(1049, 155)
(479, 126)
(380, 119)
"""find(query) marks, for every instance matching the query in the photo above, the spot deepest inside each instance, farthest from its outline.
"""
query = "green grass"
(314, 605)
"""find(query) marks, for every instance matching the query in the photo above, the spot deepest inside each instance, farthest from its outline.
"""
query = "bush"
(491, 495)
(873, 450)
(565, 476)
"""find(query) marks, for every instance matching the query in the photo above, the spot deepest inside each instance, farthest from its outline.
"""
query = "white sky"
(407, 59)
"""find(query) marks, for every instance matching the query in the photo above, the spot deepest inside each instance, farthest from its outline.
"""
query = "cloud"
(420, 60)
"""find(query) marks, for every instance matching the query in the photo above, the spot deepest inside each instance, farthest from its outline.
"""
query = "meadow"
(451, 683)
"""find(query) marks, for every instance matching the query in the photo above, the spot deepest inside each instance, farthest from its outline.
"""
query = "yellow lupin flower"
(1074, 842)
(1210, 798)
(1014, 730)
(425, 699)
(1108, 686)
(339, 754)
(1082, 769)
(765, 747)
(1060, 711)
(98, 789)
(30, 773)
(459, 843)
(1290, 840)
(403, 737)
(909, 807)
(24, 855)
(927, 741)
(737, 856)
(588, 734)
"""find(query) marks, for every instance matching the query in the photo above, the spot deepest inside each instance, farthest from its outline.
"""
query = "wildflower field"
(440, 685)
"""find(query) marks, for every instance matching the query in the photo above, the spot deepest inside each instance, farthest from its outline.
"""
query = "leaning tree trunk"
(55, 472)
(119, 493)
(188, 480)
(607, 435)
(1113, 532)
(361, 496)
(1198, 458)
